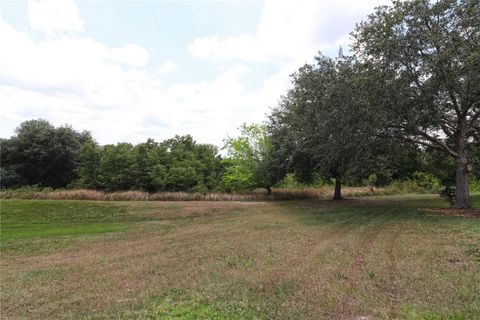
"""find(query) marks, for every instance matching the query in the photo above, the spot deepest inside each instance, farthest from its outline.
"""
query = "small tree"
(251, 162)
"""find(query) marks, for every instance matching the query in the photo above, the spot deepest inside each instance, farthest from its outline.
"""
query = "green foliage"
(9, 177)
(43, 155)
(89, 161)
(421, 182)
(423, 61)
(177, 164)
(426, 180)
(251, 161)
(474, 184)
(290, 181)
(372, 180)
(238, 176)
(39, 153)
(114, 168)
(324, 123)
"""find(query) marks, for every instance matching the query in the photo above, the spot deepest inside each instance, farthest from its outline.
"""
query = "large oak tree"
(428, 56)
(324, 124)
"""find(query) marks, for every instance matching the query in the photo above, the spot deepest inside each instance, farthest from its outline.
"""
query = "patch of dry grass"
(378, 259)
(278, 194)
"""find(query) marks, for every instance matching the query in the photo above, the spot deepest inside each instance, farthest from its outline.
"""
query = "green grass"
(382, 257)
(33, 219)
(176, 305)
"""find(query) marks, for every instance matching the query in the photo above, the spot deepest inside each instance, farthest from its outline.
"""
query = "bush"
(291, 182)
(420, 183)
(474, 184)
(448, 193)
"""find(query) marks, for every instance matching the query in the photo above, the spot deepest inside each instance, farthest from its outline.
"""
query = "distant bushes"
(40, 153)
(420, 183)
(291, 182)
(474, 185)
(288, 189)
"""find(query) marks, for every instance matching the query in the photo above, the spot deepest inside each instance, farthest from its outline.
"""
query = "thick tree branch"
(454, 101)
(447, 131)
(423, 143)
(438, 143)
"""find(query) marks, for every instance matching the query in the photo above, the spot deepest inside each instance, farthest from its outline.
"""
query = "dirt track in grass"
(383, 258)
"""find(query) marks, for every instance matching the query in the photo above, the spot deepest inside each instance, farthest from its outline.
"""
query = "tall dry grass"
(277, 194)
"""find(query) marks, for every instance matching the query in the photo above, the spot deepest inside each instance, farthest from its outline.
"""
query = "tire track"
(355, 272)
(393, 290)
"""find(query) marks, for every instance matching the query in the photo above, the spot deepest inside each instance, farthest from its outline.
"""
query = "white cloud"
(113, 91)
(131, 54)
(289, 31)
(167, 67)
(54, 16)
(80, 81)
(289, 34)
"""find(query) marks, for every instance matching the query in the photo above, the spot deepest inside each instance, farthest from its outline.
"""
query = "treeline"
(40, 154)
(177, 164)
(405, 105)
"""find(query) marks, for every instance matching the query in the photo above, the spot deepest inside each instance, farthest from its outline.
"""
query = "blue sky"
(129, 70)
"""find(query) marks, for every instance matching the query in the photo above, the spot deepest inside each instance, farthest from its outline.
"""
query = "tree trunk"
(269, 190)
(462, 197)
(338, 189)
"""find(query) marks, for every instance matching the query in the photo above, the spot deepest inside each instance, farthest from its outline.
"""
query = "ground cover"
(376, 257)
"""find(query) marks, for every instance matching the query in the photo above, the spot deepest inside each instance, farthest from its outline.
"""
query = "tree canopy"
(323, 120)
(427, 59)
(41, 154)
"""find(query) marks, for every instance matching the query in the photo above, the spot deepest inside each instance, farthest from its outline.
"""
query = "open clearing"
(378, 258)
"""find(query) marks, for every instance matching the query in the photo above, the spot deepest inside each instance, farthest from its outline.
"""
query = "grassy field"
(378, 258)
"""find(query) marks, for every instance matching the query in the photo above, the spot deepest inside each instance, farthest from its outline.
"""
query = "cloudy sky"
(129, 70)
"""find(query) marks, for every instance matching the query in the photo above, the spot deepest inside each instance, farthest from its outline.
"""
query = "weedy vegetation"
(277, 194)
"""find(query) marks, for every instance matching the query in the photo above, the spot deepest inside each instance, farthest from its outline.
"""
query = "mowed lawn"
(378, 258)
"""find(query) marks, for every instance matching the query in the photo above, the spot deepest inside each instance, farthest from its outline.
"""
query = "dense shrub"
(474, 184)
(421, 183)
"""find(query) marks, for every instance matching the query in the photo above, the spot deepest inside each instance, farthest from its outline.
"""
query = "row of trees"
(177, 164)
(40, 154)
